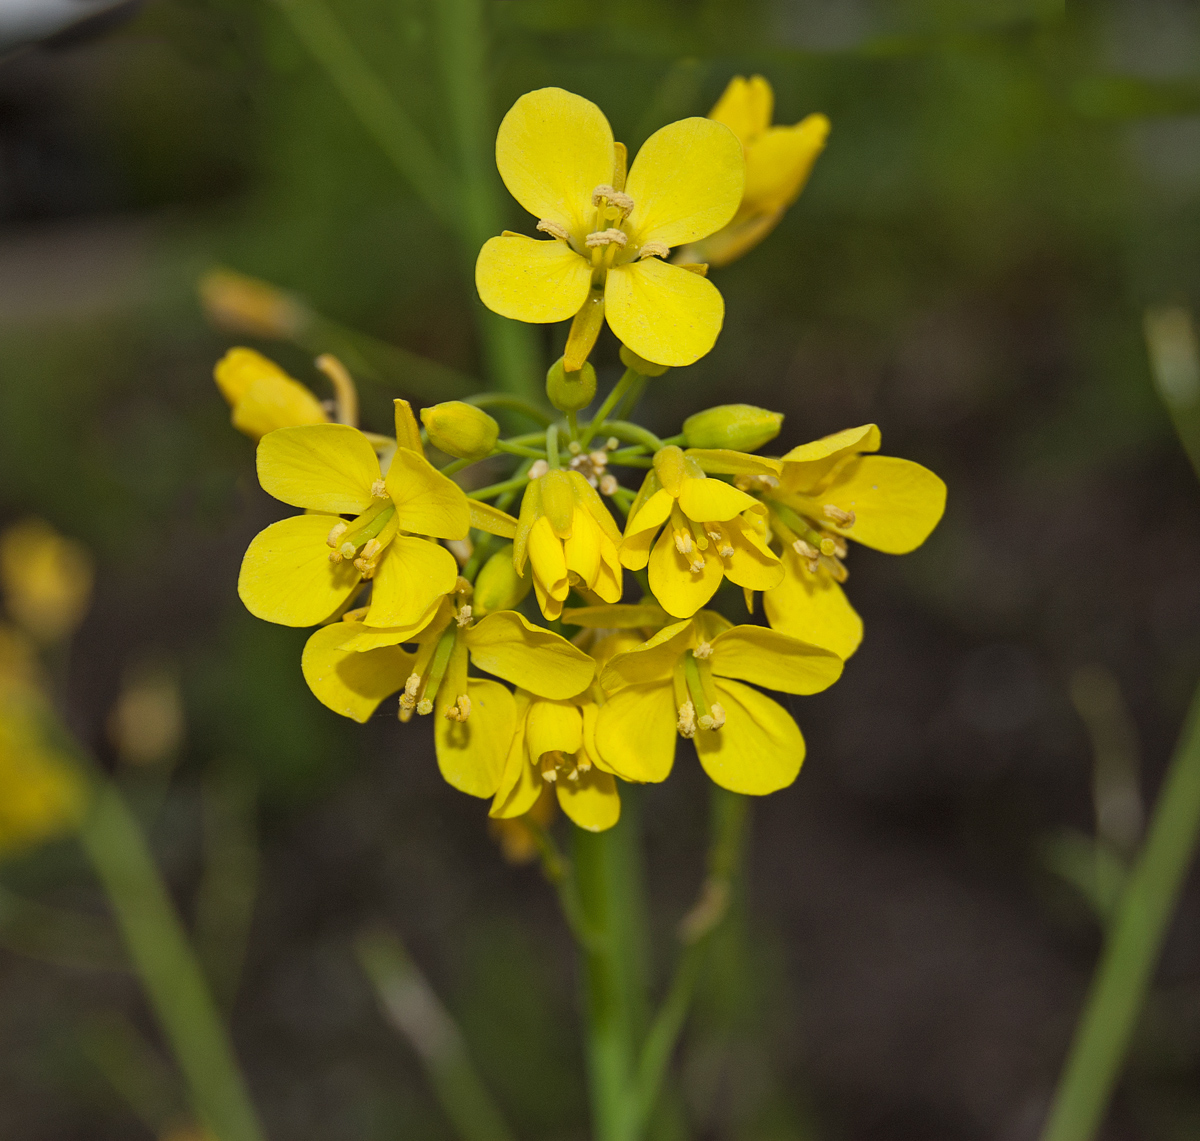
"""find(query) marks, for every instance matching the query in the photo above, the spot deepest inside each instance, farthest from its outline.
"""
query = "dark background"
(1005, 190)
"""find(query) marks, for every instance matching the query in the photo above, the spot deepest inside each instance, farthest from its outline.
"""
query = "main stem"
(1123, 977)
(168, 967)
(608, 867)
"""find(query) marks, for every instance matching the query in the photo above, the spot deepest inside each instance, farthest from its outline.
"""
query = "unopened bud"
(742, 427)
(570, 391)
(498, 586)
(460, 429)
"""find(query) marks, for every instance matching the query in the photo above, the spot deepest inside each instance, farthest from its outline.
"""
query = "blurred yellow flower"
(352, 667)
(610, 234)
(713, 530)
(829, 491)
(300, 571)
(555, 744)
(515, 835)
(245, 304)
(778, 163)
(263, 397)
(568, 537)
(46, 578)
(681, 681)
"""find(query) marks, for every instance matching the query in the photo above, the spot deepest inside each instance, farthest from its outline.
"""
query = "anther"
(726, 552)
(460, 710)
(704, 650)
(424, 706)
(654, 250)
(338, 530)
(683, 542)
(379, 490)
(463, 618)
(697, 564)
(554, 229)
(347, 550)
(840, 517)
(606, 238)
(538, 469)
(805, 550)
(601, 192)
(686, 724)
(599, 459)
(718, 714)
(609, 485)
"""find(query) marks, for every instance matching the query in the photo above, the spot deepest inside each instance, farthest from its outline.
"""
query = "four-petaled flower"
(610, 234)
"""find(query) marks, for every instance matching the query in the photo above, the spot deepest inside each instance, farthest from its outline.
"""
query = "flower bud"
(570, 391)
(460, 429)
(630, 359)
(741, 427)
(498, 586)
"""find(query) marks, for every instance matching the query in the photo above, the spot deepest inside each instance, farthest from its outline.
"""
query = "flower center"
(358, 540)
(555, 763)
(819, 549)
(700, 711)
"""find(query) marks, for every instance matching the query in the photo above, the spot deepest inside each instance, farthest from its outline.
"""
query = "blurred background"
(1005, 191)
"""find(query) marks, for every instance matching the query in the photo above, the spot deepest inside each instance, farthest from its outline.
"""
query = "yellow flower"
(47, 579)
(682, 681)
(828, 492)
(263, 397)
(713, 530)
(778, 163)
(244, 304)
(610, 235)
(300, 571)
(568, 537)
(352, 667)
(555, 744)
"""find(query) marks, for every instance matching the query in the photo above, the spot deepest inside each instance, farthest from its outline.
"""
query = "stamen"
(704, 650)
(460, 710)
(425, 706)
(840, 517)
(379, 490)
(726, 552)
(718, 715)
(606, 238)
(554, 229)
(463, 618)
(609, 485)
(335, 534)
(599, 459)
(538, 469)
(835, 567)
(654, 250)
(683, 541)
(601, 192)
(686, 724)
(697, 563)
(805, 550)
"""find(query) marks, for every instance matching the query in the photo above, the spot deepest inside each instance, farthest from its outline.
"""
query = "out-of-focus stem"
(1175, 366)
(509, 346)
(1135, 939)
(413, 1009)
(167, 966)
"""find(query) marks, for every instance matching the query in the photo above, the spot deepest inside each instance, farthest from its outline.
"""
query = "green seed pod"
(498, 586)
(570, 391)
(630, 359)
(741, 427)
(460, 429)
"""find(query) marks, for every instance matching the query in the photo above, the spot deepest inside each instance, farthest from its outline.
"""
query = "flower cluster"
(518, 633)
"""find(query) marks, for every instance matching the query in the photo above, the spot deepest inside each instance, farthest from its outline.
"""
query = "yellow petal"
(635, 732)
(351, 683)
(238, 370)
(679, 589)
(362, 638)
(652, 513)
(620, 617)
(663, 313)
(652, 661)
(549, 566)
(760, 748)
(553, 726)
(591, 713)
(779, 162)
(813, 608)
(507, 645)
(286, 575)
(582, 549)
(896, 502)
(686, 183)
(530, 280)
(485, 517)
(725, 461)
(320, 467)
(774, 660)
(805, 465)
(553, 149)
(411, 576)
(587, 497)
(745, 107)
(471, 753)
(752, 565)
(591, 800)
(713, 499)
(427, 502)
(273, 402)
(521, 784)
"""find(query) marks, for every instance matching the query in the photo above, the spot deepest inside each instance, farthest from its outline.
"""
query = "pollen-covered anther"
(425, 706)
(347, 550)
(460, 710)
(607, 237)
(538, 469)
(718, 714)
(583, 766)
(609, 485)
(835, 567)
(686, 724)
(805, 550)
(697, 563)
(704, 650)
(335, 534)
(726, 552)
(683, 542)
(654, 250)
(554, 229)
(379, 490)
(838, 516)
(463, 617)
(599, 458)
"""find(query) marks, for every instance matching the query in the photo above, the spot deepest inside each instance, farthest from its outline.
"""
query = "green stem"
(552, 446)
(368, 97)
(608, 871)
(1135, 939)
(632, 397)
(610, 402)
(495, 489)
(168, 967)
(519, 450)
(633, 434)
(728, 826)
(510, 346)
(504, 400)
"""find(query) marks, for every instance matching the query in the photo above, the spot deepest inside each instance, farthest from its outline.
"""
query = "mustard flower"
(827, 492)
(568, 536)
(47, 579)
(688, 680)
(300, 571)
(262, 396)
(712, 529)
(610, 234)
(778, 163)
